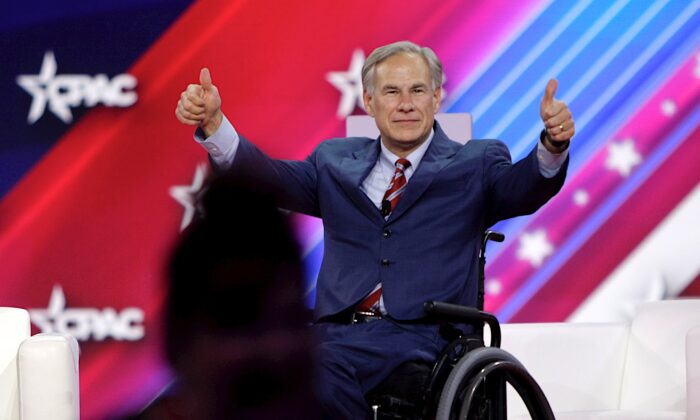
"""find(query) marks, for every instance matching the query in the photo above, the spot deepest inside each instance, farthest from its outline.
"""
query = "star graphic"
(622, 157)
(186, 195)
(36, 85)
(668, 108)
(493, 287)
(349, 83)
(534, 247)
(581, 197)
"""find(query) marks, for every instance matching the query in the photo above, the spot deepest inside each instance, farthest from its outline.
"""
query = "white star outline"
(36, 86)
(622, 157)
(581, 197)
(668, 108)
(186, 195)
(349, 83)
(493, 287)
(534, 247)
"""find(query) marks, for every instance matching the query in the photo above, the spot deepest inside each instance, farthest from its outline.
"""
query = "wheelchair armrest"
(450, 312)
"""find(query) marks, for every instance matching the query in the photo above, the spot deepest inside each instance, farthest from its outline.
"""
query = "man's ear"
(367, 100)
(437, 100)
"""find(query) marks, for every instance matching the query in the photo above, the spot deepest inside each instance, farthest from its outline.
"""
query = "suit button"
(387, 233)
(385, 262)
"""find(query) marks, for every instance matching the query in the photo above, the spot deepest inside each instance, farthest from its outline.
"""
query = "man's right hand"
(201, 105)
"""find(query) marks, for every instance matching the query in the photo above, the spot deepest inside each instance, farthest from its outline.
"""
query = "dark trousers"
(353, 359)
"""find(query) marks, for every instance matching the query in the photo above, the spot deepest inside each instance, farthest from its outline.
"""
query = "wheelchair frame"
(468, 380)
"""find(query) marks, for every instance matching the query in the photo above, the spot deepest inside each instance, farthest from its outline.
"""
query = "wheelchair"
(468, 380)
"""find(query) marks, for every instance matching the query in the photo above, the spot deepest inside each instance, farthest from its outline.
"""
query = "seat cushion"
(655, 368)
(614, 414)
(578, 366)
(401, 394)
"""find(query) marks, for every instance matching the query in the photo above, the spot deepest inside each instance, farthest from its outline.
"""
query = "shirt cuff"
(222, 145)
(549, 162)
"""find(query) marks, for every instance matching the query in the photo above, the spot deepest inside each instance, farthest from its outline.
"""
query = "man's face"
(403, 102)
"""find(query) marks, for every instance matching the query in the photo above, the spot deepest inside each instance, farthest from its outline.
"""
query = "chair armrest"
(48, 377)
(14, 328)
(692, 372)
(449, 312)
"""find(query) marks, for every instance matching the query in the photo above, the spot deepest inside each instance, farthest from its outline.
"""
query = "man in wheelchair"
(403, 214)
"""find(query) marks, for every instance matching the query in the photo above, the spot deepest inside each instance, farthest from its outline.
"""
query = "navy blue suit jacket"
(428, 247)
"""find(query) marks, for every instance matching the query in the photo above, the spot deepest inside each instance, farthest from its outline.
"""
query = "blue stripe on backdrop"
(575, 85)
(560, 58)
(312, 265)
(570, 68)
(522, 53)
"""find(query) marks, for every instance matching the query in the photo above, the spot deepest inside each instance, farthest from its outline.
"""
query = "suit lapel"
(439, 154)
(352, 172)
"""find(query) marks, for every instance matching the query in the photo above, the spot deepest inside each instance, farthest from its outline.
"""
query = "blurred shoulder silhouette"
(236, 329)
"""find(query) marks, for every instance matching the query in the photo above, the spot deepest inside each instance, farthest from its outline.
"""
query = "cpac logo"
(86, 323)
(67, 91)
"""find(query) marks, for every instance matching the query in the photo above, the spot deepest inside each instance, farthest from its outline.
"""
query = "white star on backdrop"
(493, 287)
(534, 247)
(668, 107)
(349, 83)
(186, 195)
(581, 197)
(622, 157)
(36, 85)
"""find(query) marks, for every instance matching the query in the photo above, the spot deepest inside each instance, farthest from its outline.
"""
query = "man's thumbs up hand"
(556, 117)
(549, 92)
(201, 105)
(205, 79)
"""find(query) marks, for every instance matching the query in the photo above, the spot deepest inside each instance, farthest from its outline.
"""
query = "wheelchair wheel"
(475, 388)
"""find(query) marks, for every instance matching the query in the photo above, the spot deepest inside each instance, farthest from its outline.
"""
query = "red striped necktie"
(391, 198)
(396, 187)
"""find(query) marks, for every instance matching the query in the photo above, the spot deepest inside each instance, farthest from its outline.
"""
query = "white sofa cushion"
(615, 415)
(578, 366)
(14, 328)
(655, 368)
(692, 380)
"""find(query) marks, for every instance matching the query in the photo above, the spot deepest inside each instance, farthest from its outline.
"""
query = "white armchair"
(647, 369)
(38, 374)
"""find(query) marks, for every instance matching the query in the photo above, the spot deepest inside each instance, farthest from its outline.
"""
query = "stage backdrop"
(97, 175)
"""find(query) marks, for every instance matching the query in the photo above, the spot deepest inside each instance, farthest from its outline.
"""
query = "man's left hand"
(557, 119)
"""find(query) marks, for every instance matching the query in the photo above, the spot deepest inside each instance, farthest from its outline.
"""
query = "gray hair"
(382, 53)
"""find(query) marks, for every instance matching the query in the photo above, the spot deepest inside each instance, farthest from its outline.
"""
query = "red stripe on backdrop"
(693, 289)
(95, 215)
(617, 237)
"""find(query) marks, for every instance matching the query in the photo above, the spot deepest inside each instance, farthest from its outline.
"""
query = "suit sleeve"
(292, 182)
(515, 189)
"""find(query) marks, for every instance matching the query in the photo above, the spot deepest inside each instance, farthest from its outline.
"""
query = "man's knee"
(336, 386)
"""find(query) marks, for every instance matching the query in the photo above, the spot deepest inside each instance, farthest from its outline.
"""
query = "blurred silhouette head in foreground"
(235, 329)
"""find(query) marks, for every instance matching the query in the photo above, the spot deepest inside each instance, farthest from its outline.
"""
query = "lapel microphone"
(386, 208)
